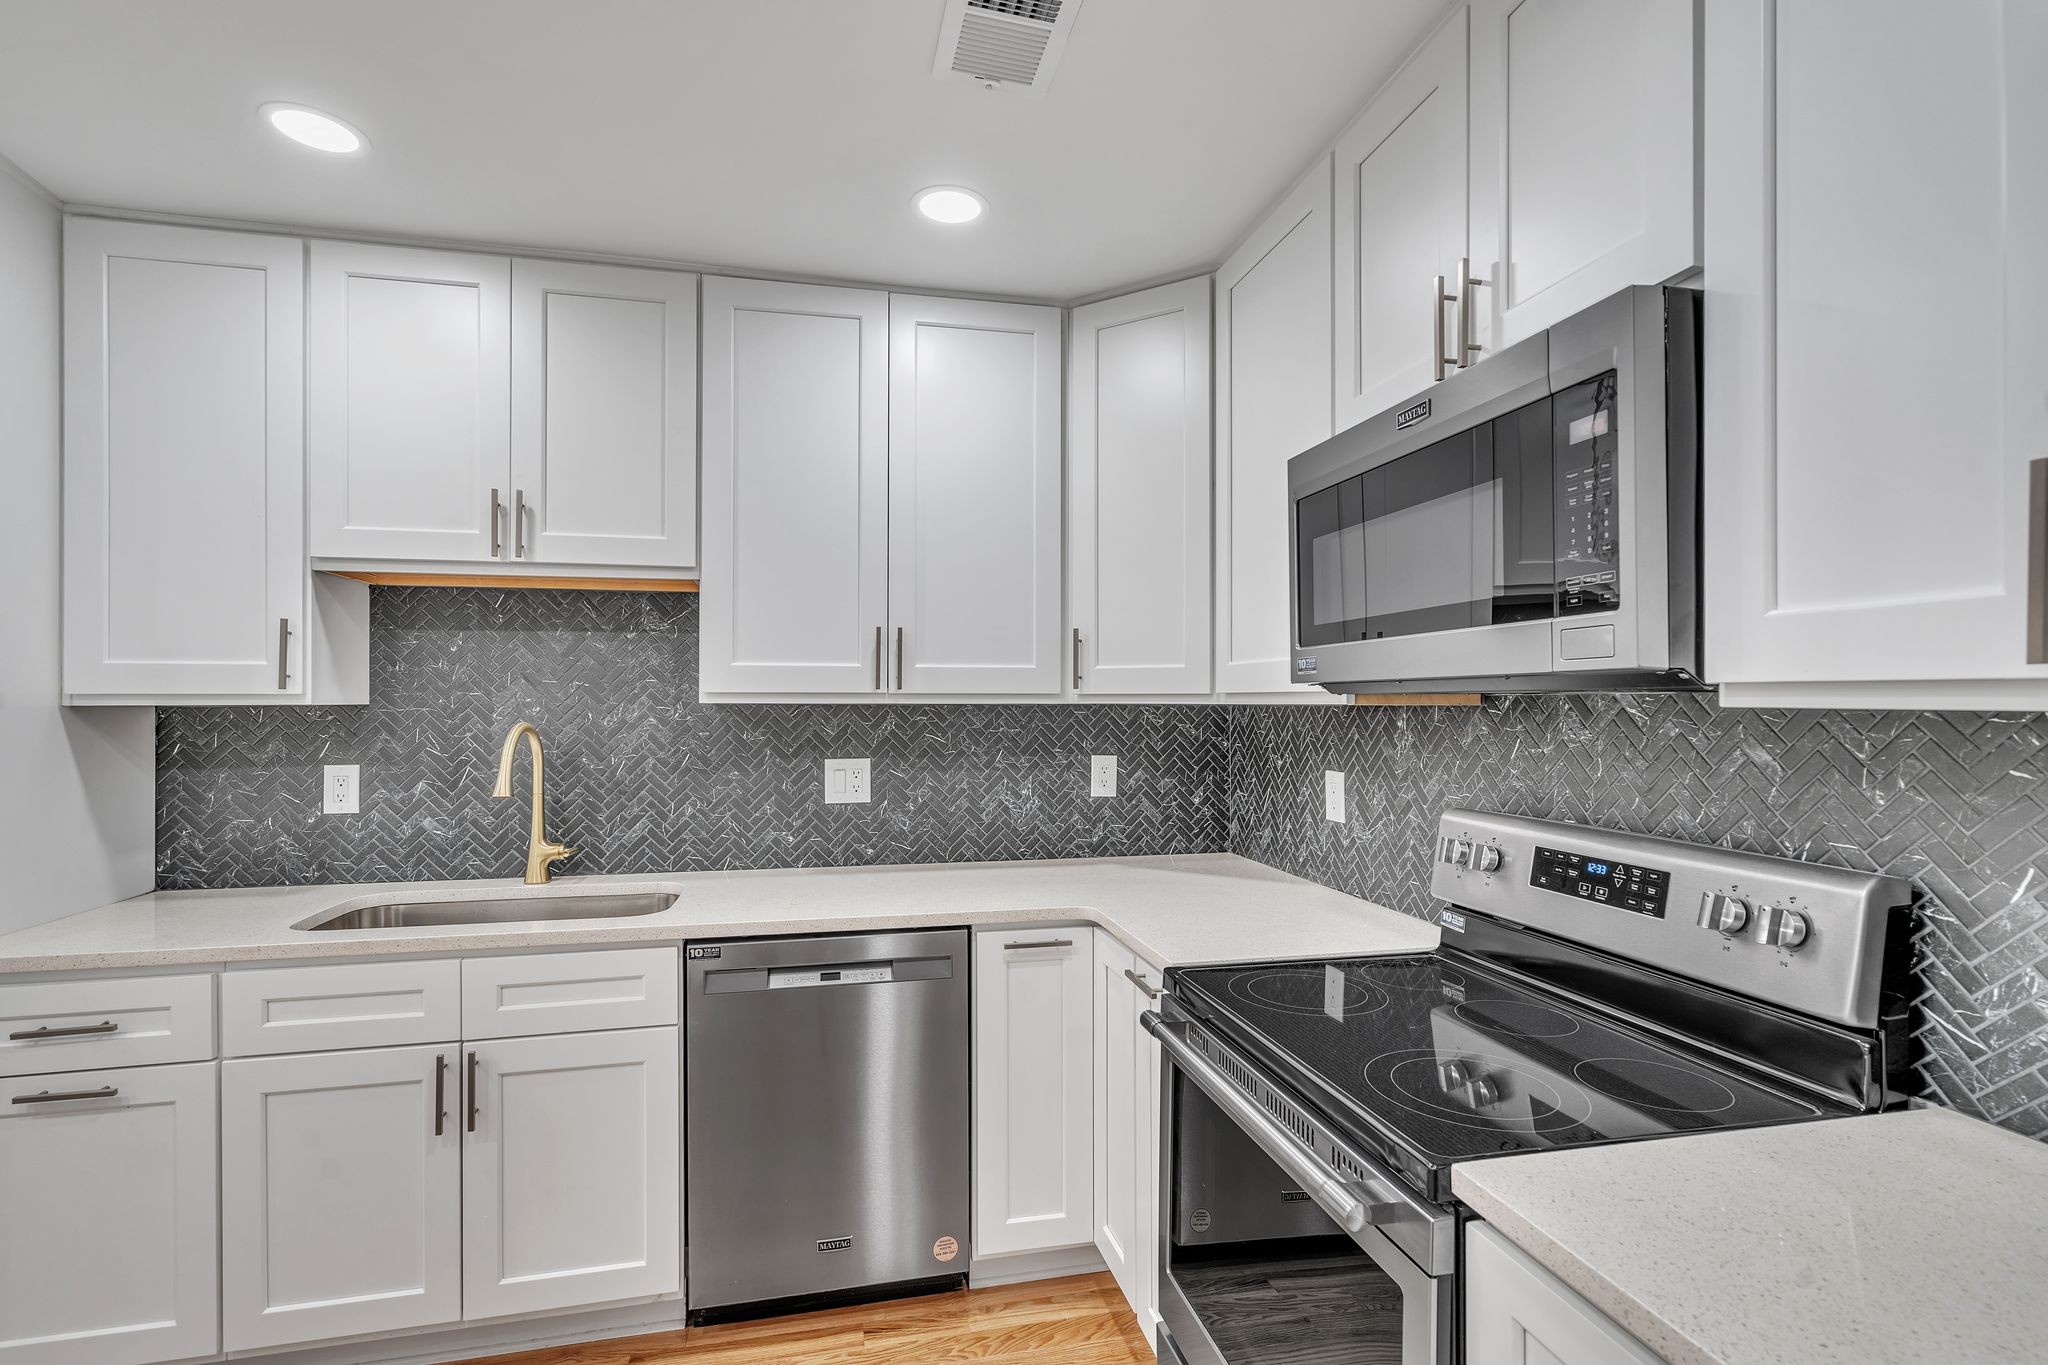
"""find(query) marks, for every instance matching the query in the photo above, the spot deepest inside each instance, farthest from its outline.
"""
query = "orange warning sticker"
(945, 1249)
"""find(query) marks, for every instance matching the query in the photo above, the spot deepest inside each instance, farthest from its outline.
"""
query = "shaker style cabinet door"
(1876, 401)
(1034, 1129)
(410, 404)
(974, 496)
(1140, 483)
(107, 1199)
(572, 1171)
(184, 461)
(796, 489)
(604, 415)
(1273, 309)
(1518, 1313)
(1585, 165)
(1401, 222)
(341, 1213)
(1127, 1126)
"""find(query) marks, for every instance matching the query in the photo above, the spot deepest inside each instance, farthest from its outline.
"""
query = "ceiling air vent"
(1003, 44)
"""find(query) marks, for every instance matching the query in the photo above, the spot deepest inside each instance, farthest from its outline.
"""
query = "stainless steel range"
(1592, 987)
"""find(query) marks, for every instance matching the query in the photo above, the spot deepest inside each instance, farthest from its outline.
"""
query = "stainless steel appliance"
(1592, 987)
(826, 1119)
(1528, 524)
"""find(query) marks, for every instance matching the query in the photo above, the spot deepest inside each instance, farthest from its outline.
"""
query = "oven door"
(1279, 1241)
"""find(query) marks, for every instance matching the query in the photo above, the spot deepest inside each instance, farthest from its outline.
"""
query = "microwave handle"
(1322, 1184)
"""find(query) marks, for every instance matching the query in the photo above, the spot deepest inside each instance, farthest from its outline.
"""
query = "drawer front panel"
(354, 1005)
(514, 997)
(50, 1026)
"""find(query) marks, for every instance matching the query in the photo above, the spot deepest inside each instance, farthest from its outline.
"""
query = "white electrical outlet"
(1333, 797)
(341, 789)
(846, 781)
(1102, 775)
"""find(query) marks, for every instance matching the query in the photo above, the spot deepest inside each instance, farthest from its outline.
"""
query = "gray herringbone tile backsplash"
(643, 778)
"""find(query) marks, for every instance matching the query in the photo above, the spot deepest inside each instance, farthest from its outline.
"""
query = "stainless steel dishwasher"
(827, 1119)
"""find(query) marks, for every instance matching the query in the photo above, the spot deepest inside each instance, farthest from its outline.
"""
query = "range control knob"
(1777, 927)
(1485, 858)
(1461, 853)
(1725, 915)
(1482, 1093)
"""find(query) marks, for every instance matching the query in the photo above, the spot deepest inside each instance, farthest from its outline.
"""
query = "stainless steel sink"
(498, 910)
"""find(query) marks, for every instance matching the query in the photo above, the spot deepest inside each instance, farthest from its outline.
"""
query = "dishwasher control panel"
(863, 974)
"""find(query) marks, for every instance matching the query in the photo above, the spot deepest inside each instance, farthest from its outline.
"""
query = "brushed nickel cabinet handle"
(878, 658)
(1077, 658)
(68, 1031)
(497, 525)
(1040, 943)
(2037, 561)
(284, 640)
(1437, 299)
(899, 658)
(105, 1092)
(440, 1094)
(519, 523)
(1467, 348)
(472, 1092)
(1151, 991)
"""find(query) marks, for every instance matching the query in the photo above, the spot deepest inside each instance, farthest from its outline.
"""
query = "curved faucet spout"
(542, 853)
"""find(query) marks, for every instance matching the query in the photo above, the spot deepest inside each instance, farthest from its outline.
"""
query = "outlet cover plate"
(1333, 796)
(341, 789)
(846, 781)
(1102, 775)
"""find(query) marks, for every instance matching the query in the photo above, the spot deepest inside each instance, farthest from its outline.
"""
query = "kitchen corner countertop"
(1911, 1236)
(1171, 911)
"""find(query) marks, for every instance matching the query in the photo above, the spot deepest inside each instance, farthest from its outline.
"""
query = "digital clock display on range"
(1603, 881)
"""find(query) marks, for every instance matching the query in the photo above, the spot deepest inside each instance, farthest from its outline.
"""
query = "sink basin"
(496, 910)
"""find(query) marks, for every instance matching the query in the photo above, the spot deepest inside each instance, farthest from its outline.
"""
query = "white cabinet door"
(1273, 310)
(1518, 1313)
(1876, 363)
(974, 496)
(341, 1212)
(1126, 1127)
(1401, 221)
(796, 487)
(604, 415)
(108, 1208)
(1138, 417)
(1585, 165)
(572, 1172)
(1034, 1085)
(184, 461)
(409, 415)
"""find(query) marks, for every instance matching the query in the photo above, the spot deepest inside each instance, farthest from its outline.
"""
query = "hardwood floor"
(1078, 1321)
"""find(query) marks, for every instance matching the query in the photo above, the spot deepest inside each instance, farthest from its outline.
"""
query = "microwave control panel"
(1586, 442)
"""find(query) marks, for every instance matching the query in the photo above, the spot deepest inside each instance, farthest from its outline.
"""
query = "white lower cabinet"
(572, 1171)
(1034, 1087)
(109, 1249)
(1127, 1128)
(1518, 1313)
(342, 1210)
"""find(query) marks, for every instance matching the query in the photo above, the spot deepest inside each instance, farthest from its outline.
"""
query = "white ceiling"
(763, 135)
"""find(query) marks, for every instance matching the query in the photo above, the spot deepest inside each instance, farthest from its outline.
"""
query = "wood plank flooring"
(1082, 1320)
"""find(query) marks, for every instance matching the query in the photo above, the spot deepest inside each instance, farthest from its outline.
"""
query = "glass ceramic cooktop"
(1457, 1062)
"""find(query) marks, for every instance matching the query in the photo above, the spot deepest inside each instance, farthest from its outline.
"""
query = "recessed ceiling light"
(949, 204)
(323, 132)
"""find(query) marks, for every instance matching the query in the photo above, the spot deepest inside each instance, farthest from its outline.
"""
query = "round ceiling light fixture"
(949, 204)
(322, 132)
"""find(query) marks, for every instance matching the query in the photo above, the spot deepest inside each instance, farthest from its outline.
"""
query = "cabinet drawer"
(323, 1009)
(511, 997)
(51, 1026)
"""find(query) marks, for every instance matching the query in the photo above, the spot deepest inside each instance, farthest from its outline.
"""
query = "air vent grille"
(999, 52)
(1003, 44)
(1042, 11)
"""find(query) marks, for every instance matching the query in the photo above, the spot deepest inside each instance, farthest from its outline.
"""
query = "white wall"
(77, 787)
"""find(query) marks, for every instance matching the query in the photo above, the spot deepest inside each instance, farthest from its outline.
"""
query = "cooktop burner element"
(1307, 990)
(1645, 1084)
(1517, 1018)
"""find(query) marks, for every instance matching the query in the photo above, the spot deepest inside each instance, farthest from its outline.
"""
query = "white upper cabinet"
(974, 496)
(1584, 161)
(184, 462)
(1138, 446)
(1272, 402)
(1401, 221)
(1876, 405)
(410, 403)
(604, 415)
(796, 488)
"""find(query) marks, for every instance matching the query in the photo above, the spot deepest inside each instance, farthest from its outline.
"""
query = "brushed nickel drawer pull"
(440, 1094)
(105, 1092)
(497, 525)
(1151, 991)
(519, 523)
(68, 1031)
(472, 1092)
(284, 639)
(2037, 561)
(1077, 658)
(878, 658)
(1040, 943)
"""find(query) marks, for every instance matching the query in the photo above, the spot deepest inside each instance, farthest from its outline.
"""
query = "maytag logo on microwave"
(836, 1244)
(1409, 416)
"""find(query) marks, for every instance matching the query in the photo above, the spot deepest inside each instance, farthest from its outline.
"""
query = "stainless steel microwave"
(1530, 524)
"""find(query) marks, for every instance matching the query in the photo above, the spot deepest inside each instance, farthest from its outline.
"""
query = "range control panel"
(1602, 880)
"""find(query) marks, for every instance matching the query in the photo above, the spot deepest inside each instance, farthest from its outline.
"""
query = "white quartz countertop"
(1920, 1235)
(1171, 911)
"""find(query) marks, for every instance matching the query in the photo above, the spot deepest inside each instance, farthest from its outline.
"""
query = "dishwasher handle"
(1323, 1183)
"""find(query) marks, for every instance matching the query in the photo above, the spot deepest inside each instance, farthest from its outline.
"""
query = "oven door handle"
(1330, 1190)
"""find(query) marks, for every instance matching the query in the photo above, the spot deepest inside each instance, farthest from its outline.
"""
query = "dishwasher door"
(827, 1117)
